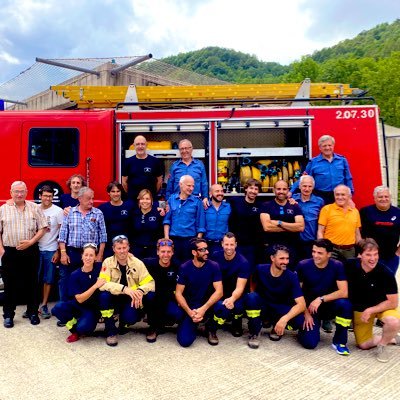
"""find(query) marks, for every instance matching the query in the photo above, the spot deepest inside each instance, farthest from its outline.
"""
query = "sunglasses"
(169, 243)
(202, 249)
(90, 245)
(119, 238)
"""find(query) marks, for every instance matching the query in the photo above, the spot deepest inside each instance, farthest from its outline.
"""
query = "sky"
(280, 31)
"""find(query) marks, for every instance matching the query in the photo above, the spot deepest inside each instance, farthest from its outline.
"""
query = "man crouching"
(124, 293)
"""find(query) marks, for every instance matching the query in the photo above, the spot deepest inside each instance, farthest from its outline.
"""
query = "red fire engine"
(236, 135)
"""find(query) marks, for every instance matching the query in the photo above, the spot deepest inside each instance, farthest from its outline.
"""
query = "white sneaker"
(382, 354)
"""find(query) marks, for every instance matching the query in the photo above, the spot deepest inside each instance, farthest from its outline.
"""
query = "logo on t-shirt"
(124, 212)
(147, 169)
(152, 219)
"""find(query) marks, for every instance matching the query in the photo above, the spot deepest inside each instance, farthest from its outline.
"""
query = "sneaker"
(25, 314)
(60, 324)
(44, 312)
(73, 337)
(327, 326)
(254, 341)
(112, 340)
(151, 335)
(35, 320)
(8, 322)
(382, 354)
(341, 349)
(213, 338)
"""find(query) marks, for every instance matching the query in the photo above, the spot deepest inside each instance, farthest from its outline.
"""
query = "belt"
(344, 246)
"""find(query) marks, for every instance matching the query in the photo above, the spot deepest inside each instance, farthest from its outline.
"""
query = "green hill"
(369, 61)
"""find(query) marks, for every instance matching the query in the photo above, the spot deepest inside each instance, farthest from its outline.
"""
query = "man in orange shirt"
(340, 223)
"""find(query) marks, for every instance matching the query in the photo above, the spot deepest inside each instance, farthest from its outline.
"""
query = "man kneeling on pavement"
(126, 290)
(325, 289)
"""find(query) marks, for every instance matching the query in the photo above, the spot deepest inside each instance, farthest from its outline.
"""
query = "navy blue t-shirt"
(198, 281)
(383, 226)
(231, 270)
(142, 173)
(67, 201)
(319, 281)
(164, 277)
(117, 219)
(80, 281)
(244, 221)
(282, 290)
(146, 228)
(286, 213)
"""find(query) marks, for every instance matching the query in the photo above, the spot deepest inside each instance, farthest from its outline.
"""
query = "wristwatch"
(279, 223)
(322, 299)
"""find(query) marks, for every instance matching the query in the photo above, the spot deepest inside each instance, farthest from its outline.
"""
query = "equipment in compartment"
(268, 172)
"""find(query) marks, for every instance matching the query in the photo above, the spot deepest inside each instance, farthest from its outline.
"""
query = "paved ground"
(37, 363)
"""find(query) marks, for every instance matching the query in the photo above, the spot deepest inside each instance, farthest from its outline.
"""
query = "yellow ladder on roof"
(110, 96)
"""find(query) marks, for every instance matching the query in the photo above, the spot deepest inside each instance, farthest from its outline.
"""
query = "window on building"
(53, 147)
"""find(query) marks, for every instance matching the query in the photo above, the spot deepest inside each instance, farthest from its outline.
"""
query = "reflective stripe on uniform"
(253, 313)
(70, 324)
(238, 316)
(107, 313)
(104, 276)
(345, 322)
(148, 279)
(219, 321)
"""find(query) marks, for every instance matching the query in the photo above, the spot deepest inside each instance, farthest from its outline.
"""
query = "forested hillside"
(369, 61)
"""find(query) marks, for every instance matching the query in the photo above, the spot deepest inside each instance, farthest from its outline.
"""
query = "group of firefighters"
(296, 262)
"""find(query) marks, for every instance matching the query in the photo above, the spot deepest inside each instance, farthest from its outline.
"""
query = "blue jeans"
(47, 269)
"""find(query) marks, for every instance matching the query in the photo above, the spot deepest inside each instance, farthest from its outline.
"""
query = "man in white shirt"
(48, 245)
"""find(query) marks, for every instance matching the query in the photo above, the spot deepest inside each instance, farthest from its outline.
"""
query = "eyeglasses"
(202, 249)
(90, 245)
(185, 148)
(19, 191)
(119, 238)
(169, 243)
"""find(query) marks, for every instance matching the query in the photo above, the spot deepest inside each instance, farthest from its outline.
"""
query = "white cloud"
(8, 58)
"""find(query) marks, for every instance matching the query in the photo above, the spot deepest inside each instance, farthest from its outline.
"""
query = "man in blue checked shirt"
(328, 170)
(188, 165)
(217, 217)
(83, 224)
(185, 218)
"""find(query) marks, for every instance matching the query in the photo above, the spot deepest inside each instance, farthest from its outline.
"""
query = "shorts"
(47, 269)
(364, 331)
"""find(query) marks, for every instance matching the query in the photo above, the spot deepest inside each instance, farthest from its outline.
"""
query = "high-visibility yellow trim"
(104, 276)
(238, 316)
(107, 313)
(219, 321)
(70, 324)
(134, 287)
(289, 327)
(345, 322)
(253, 313)
(147, 279)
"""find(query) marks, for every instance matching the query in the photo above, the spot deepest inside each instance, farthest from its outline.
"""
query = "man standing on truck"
(22, 224)
(141, 171)
(188, 165)
(329, 170)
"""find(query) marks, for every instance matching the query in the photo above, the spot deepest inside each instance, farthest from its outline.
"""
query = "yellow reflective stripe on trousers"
(219, 321)
(107, 313)
(345, 322)
(237, 316)
(148, 279)
(104, 276)
(253, 313)
(70, 324)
